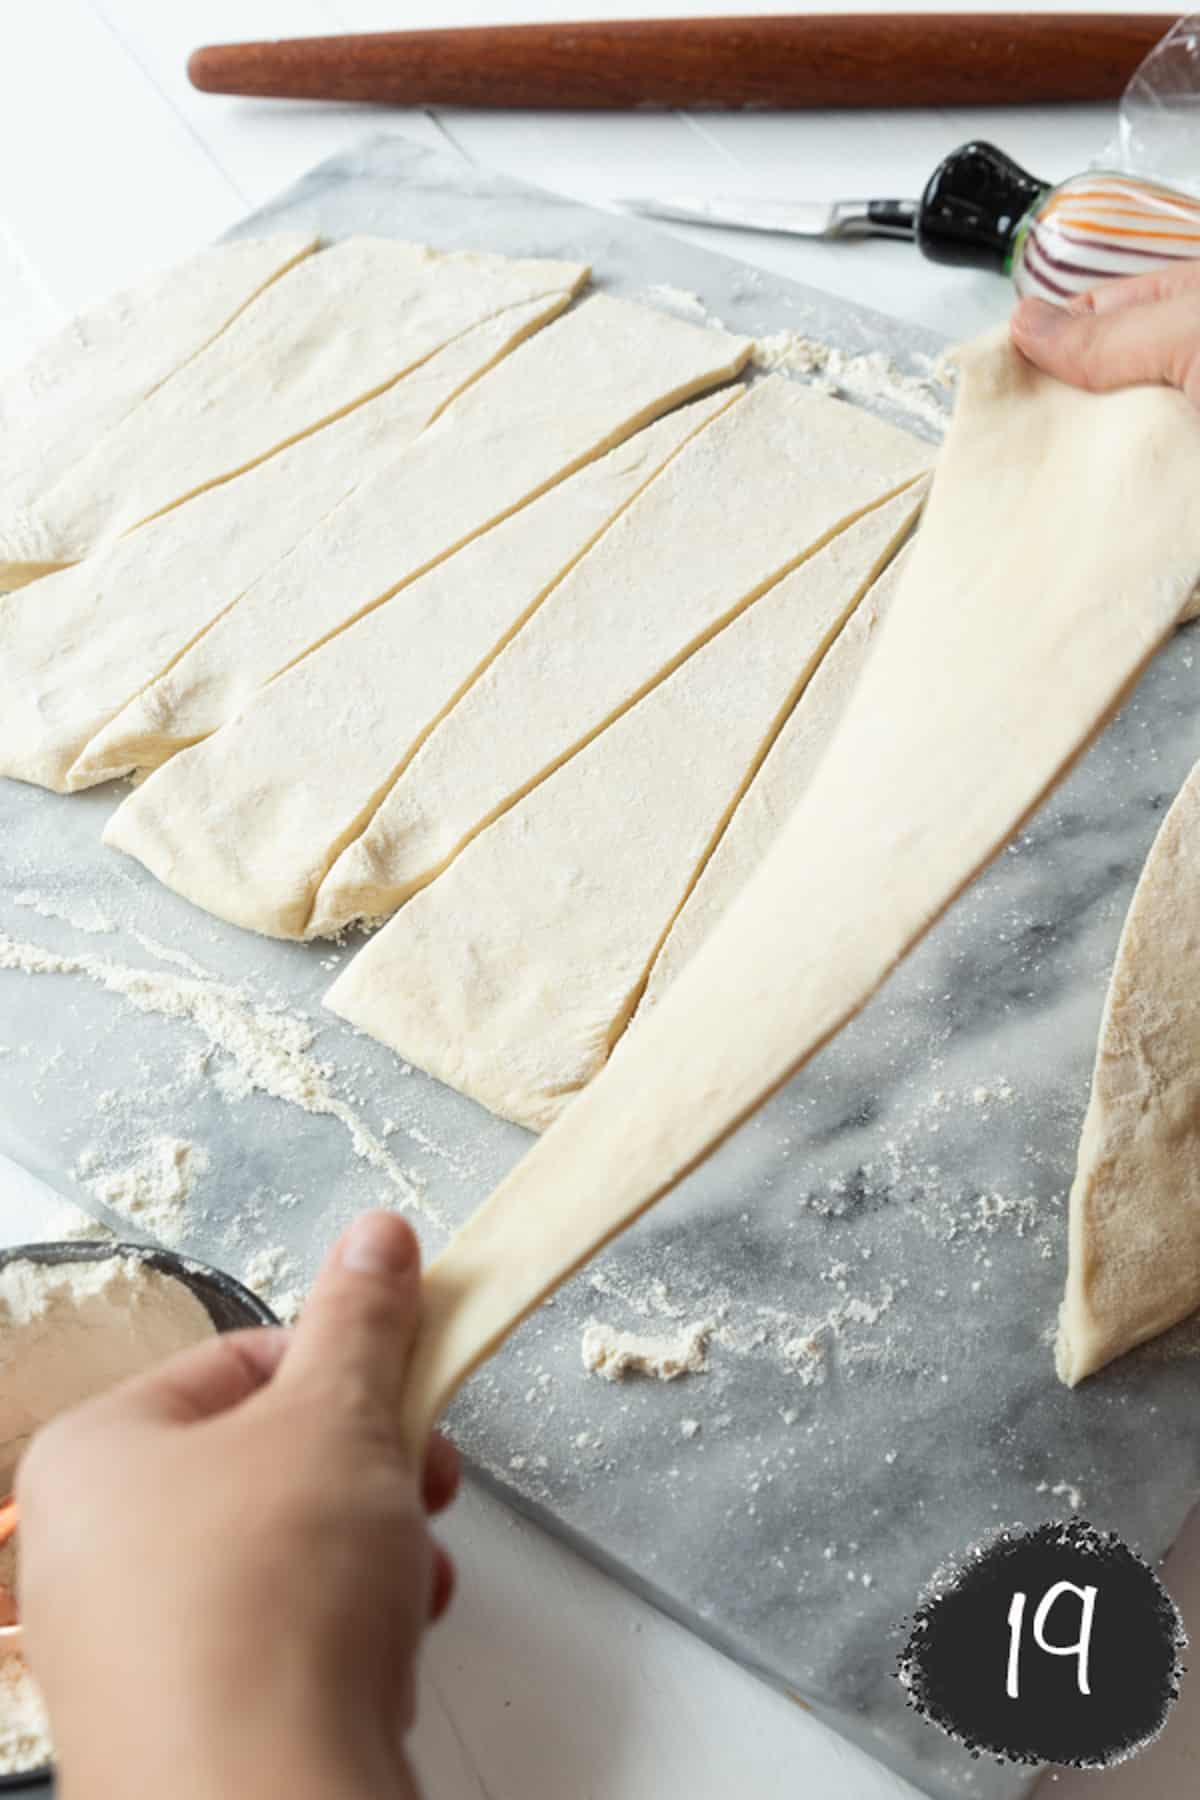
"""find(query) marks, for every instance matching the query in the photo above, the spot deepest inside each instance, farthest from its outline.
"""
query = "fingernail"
(1038, 319)
(379, 1244)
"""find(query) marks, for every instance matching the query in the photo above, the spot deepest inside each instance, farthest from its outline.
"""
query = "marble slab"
(877, 1256)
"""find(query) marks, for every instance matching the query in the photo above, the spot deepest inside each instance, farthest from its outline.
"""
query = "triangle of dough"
(572, 392)
(790, 763)
(99, 366)
(75, 649)
(512, 976)
(1135, 1203)
(247, 822)
(674, 568)
(335, 329)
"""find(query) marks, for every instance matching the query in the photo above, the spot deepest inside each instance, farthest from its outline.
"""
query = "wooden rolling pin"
(887, 59)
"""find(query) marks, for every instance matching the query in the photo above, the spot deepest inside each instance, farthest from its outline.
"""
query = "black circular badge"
(1055, 1645)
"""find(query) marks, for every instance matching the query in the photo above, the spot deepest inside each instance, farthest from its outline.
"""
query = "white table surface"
(548, 1681)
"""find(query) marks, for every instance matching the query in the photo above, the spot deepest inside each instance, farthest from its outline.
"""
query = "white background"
(548, 1682)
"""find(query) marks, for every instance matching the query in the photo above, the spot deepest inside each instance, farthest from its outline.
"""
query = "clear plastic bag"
(1158, 128)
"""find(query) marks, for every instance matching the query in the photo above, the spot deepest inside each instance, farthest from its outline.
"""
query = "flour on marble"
(616, 1354)
(153, 1191)
(266, 1048)
(80, 912)
(869, 375)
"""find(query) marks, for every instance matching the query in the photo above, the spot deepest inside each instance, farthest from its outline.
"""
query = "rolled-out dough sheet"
(576, 389)
(83, 642)
(1058, 550)
(325, 336)
(247, 822)
(512, 975)
(787, 768)
(99, 366)
(1135, 1203)
(763, 487)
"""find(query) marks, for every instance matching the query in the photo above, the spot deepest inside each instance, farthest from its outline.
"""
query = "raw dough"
(670, 572)
(97, 368)
(576, 389)
(247, 822)
(1059, 548)
(514, 974)
(334, 330)
(1135, 1203)
(81, 644)
(784, 775)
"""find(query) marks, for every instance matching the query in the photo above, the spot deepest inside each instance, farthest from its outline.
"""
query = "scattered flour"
(683, 303)
(154, 1191)
(78, 911)
(871, 375)
(266, 1047)
(615, 1354)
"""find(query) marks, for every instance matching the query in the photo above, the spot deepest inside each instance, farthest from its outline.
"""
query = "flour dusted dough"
(514, 973)
(248, 821)
(745, 500)
(75, 649)
(557, 402)
(787, 769)
(1135, 1203)
(97, 368)
(1058, 550)
(333, 330)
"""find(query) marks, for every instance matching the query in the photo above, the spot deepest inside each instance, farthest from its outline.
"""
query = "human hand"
(1144, 329)
(226, 1568)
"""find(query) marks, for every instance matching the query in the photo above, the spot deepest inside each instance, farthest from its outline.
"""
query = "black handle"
(973, 205)
(892, 218)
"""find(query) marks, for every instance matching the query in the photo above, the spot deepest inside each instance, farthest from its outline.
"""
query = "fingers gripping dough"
(569, 394)
(1135, 1203)
(335, 329)
(513, 974)
(75, 649)
(97, 368)
(668, 574)
(786, 772)
(247, 822)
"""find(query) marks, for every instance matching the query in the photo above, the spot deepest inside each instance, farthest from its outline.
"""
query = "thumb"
(352, 1342)
(1157, 343)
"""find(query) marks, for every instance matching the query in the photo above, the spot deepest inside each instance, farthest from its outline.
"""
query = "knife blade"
(791, 218)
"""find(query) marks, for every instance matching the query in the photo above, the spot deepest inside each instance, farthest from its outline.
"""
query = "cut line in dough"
(103, 363)
(669, 574)
(80, 646)
(1134, 1228)
(786, 771)
(335, 329)
(514, 973)
(247, 822)
(577, 388)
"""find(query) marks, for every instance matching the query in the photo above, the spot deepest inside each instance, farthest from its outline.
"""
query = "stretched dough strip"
(512, 975)
(572, 392)
(332, 331)
(75, 649)
(785, 773)
(671, 572)
(1135, 1203)
(1005, 652)
(99, 366)
(247, 822)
